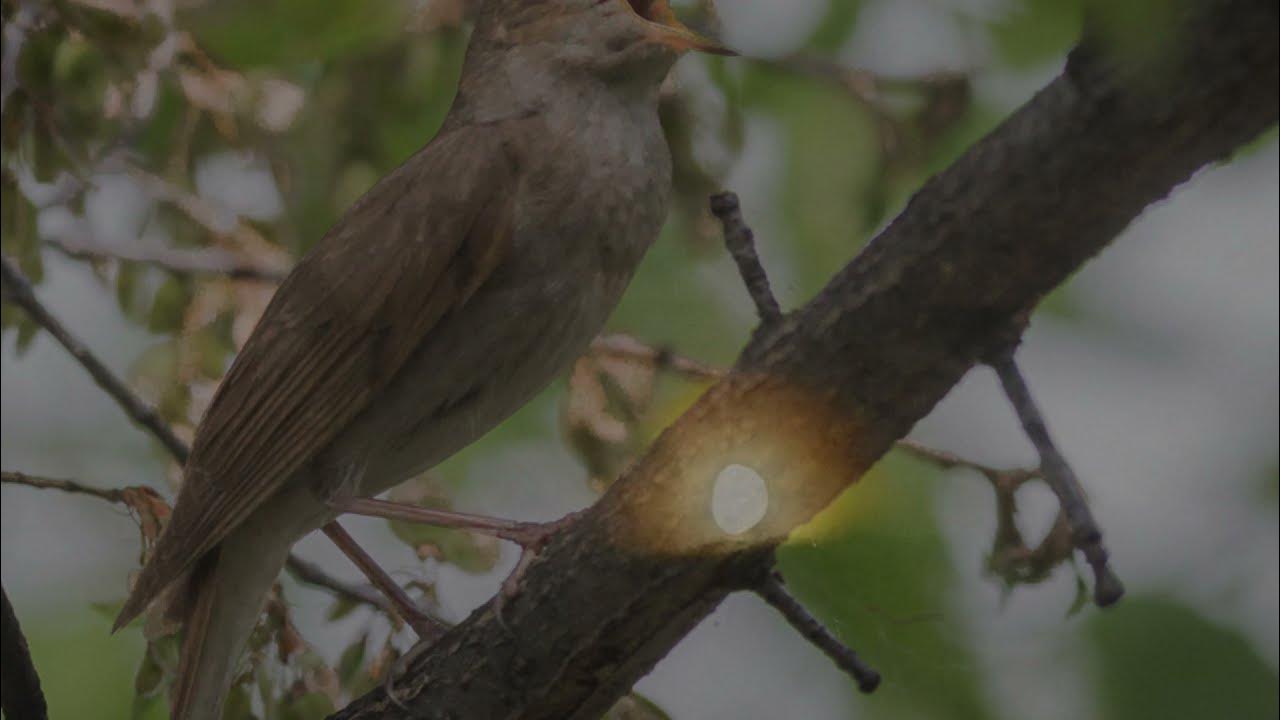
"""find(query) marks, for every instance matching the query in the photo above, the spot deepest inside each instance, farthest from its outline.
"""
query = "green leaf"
(169, 306)
(248, 33)
(150, 675)
(239, 704)
(1158, 659)
(312, 706)
(352, 660)
(341, 607)
(1037, 31)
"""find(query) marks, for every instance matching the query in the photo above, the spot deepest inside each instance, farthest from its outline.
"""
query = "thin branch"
(19, 291)
(1000, 477)
(740, 241)
(303, 571)
(20, 693)
(111, 495)
(628, 347)
(1085, 533)
(308, 573)
(773, 590)
(207, 261)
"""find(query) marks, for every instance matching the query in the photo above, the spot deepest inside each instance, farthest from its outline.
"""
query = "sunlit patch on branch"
(739, 500)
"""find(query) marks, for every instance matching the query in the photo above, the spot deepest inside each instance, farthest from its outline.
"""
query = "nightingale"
(444, 299)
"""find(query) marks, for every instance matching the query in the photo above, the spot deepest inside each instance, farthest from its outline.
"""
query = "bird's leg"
(529, 535)
(428, 628)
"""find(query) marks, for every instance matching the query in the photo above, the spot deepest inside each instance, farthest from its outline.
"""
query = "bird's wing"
(413, 249)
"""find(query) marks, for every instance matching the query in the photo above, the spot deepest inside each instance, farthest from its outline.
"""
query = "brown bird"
(441, 302)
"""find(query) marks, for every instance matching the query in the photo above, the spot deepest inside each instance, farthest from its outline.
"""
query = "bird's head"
(617, 40)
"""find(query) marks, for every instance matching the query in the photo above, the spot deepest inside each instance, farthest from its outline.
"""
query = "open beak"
(665, 29)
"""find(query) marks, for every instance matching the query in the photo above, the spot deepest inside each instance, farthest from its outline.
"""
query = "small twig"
(308, 573)
(111, 495)
(774, 592)
(182, 262)
(20, 693)
(740, 241)
(1085, 533)
(302, 570)
(1001, 477)
(626, 346)
(19, 291)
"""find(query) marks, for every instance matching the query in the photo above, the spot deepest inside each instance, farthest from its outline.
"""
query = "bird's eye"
(652, 10)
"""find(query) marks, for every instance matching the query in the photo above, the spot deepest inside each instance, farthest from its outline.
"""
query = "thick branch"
(20, 693)
(812, 404)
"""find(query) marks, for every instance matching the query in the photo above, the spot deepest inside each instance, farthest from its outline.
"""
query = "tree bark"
(816, 398)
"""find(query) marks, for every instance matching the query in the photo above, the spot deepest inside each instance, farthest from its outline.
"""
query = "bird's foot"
(532, 537)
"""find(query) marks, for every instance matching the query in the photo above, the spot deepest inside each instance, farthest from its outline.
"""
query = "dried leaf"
(151, 512)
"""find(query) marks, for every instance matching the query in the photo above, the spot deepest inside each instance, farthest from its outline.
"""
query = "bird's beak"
(665, 29)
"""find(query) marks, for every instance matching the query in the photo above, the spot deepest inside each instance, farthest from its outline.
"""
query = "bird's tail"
(224, 597)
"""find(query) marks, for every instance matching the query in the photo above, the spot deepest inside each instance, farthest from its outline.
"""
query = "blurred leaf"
(239, 704)
(836, 26)
(312, 706)
(832, 163)
(875, 569)
(249, 33)
(169, 305)
(1158, 659)
(1271, 484)
(342, 606)
(352, 660)
(150, 675)
(1037, 31)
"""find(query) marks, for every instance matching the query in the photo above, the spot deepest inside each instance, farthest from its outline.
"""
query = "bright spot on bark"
(739, 499)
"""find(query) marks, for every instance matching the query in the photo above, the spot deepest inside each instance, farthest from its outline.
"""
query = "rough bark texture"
(820, 396)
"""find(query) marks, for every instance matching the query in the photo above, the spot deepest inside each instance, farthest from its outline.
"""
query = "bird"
(444, 299)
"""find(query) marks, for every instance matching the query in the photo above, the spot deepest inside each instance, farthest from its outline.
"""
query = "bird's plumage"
(337, 332)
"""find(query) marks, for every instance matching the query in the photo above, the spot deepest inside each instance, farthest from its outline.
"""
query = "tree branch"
(814, 403)
(206, 261)
(774, 592)
(304, 572)
(19, 291)
(1085, 532)
(740, 241)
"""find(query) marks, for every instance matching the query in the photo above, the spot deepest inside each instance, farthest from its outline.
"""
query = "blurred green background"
(239, 131)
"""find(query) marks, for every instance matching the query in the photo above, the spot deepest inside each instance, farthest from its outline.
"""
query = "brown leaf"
(151, 512)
